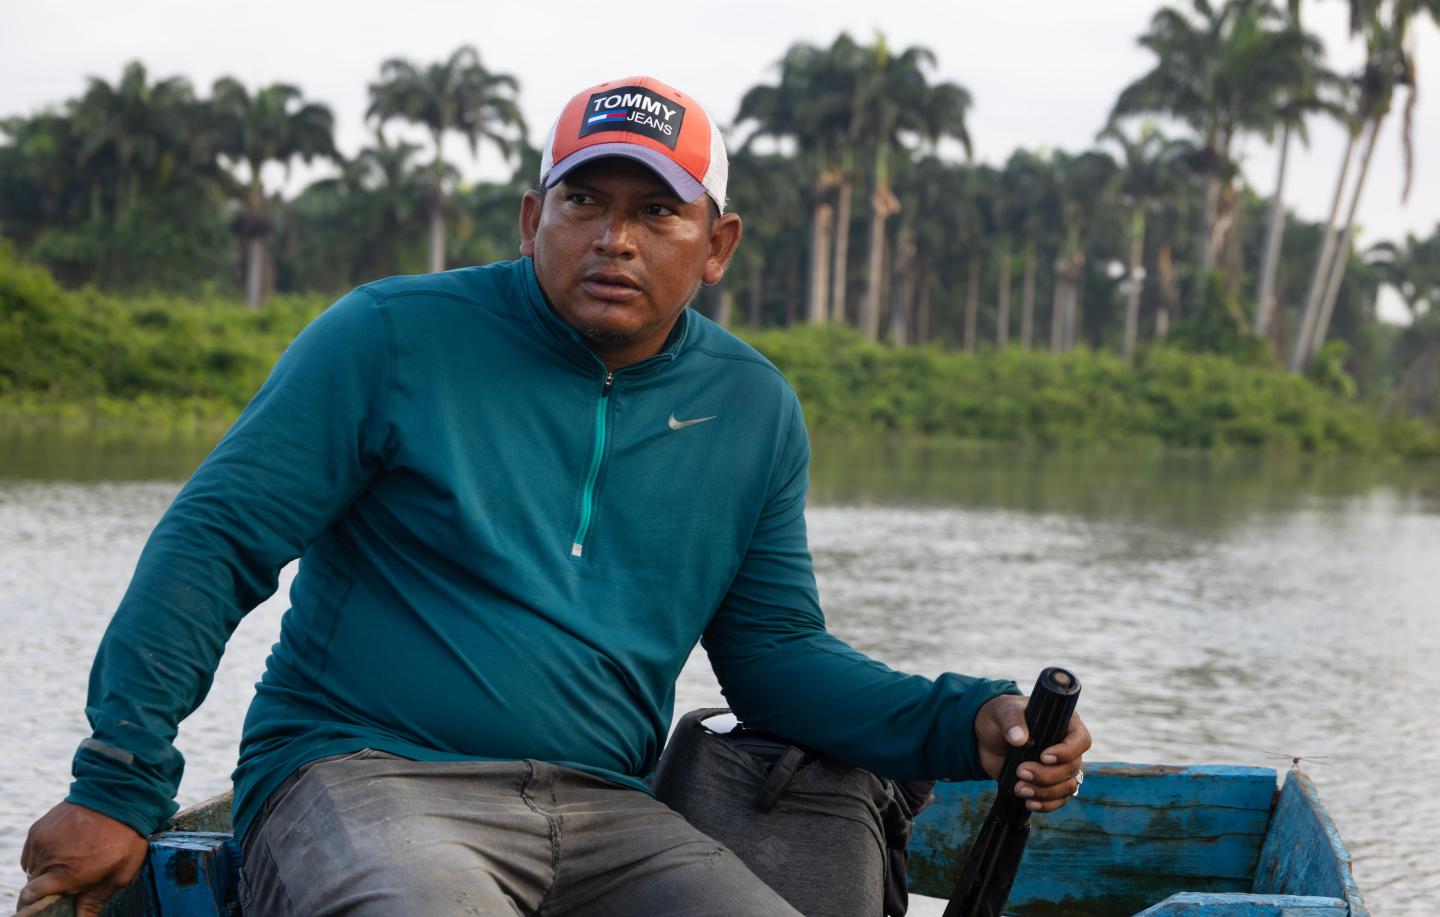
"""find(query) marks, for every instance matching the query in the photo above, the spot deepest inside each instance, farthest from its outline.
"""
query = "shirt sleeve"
(298, 455)
(782, 672)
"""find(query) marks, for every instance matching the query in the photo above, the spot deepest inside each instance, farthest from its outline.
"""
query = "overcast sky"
(1043, 73)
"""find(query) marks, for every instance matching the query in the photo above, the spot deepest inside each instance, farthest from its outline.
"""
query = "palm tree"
(846, 63)
(365, 214)
(1311, 88)
(813, 105)
(1411, 269)
(1148, 163)
(275, 124)
(1222, 71)
(138, 129)
(1032, 193)
(976, 225)
(898, 101)
(1084, 181)
(457, 94)
(767, 192)
(930, 188)
(1389, 66)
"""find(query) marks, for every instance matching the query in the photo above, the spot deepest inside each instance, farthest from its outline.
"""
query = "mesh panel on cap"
(718, 175)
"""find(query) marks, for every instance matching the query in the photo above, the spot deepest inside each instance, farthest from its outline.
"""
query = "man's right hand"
(77, 851)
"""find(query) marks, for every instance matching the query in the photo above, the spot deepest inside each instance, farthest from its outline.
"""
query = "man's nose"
(617, 236)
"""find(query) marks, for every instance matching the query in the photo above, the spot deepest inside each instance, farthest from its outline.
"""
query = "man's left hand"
(1045, 785)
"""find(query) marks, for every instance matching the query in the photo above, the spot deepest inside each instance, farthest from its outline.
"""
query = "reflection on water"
(1218, 610)
(105, 454)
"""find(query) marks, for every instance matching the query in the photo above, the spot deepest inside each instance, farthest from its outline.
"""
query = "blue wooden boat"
(1141, 840)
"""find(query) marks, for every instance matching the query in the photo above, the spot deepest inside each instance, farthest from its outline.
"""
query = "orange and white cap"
(643, 119)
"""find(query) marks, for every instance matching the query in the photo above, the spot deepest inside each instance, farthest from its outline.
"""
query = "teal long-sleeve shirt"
(505, 552)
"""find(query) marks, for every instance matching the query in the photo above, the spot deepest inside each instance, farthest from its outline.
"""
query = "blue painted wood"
(1303, 853)
(1136, 835)
(1191, 904)
(196, 874)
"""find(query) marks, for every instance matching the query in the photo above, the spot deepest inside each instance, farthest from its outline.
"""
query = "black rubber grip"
(1047, 716)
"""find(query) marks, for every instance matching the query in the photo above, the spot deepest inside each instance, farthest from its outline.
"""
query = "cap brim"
(685, 185)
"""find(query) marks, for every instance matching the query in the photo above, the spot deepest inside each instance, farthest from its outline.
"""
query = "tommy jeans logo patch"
(635, 109)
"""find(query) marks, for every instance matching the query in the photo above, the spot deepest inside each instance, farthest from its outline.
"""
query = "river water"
(1218, 610)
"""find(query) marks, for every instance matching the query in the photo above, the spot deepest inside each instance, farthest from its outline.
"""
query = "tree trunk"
(255, 227)
(1169, 290)
(757, 293)
(1231, 237)
(922, 309)
(820, 227)
(903, 291)
(255, 271)
(907, 304)
(1057, 308)
(972, 300)
(1274, 235)
(1072, 309)
(1310, 317)
(725, 306)
(1208, 247)
(839, 268)
(437, 209)
(1027, 298)
(882, 206)
(437, 235)
(1417, 394)
(1002, 294)
(792, 291)
(1137, 280)
(1342, 251)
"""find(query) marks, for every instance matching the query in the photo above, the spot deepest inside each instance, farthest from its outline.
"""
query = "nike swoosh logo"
(682, 424)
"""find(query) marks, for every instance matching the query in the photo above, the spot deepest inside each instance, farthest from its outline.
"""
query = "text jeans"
(374, 834)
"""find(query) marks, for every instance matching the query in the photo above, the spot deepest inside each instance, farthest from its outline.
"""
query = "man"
(520, 494)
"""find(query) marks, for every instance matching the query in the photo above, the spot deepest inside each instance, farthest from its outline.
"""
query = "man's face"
(619, 255)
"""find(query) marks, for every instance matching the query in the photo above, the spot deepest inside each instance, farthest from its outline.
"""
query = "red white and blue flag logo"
(620, 115)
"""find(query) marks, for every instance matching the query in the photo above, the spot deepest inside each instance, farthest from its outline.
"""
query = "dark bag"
(830, 838)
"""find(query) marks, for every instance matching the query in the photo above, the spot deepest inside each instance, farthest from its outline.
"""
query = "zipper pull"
(609, 381)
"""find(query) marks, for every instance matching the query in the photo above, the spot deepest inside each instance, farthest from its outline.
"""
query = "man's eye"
(578, 198)
(659, 210)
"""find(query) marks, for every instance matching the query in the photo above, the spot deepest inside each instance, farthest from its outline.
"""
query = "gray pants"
(373, 834)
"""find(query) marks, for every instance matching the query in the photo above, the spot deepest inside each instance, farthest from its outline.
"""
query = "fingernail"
(1033, 805)
(1025, 775)
(1016, 735)
(1048, 759)
(1024, 791)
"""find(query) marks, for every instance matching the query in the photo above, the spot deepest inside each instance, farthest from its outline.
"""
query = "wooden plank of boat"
(1153, 841)
(192, 871)
(1211, 840)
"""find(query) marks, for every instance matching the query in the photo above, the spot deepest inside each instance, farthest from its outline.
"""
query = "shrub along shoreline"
(83, 358)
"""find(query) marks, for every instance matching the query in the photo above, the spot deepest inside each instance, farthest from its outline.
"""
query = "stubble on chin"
(604, 338)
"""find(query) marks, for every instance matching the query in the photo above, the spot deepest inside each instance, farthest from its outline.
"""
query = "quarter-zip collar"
(566, 341)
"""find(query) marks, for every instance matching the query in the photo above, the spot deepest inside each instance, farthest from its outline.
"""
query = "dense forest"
(851, 168)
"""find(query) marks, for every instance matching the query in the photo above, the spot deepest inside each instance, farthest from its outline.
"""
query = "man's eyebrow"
(661, 190)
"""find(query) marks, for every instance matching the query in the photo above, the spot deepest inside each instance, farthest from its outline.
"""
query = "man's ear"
(529, 221)
(724, 238)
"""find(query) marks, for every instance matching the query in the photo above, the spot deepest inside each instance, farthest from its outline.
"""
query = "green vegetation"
(94, 359)
(84, 356)
(1168, 397)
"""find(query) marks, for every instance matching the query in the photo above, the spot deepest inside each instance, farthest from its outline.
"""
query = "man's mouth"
(615, 286)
